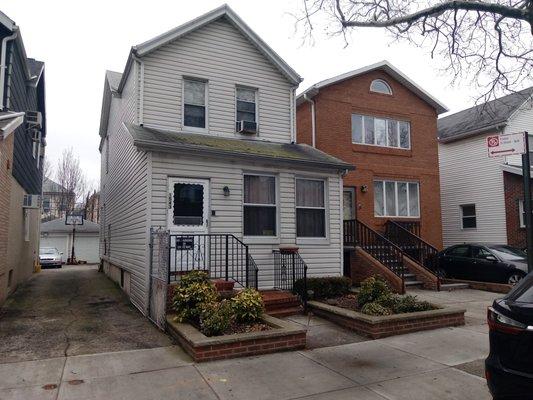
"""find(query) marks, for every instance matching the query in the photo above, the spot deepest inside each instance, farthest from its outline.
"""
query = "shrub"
(389, 300)
(247, 306)
(324, 288)
(193, 292)
(375, 309)
(410, 303)
(372, 289)
(215, 318)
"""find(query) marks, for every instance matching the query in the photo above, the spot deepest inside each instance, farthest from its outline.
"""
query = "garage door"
(59, 242)
(87, 248)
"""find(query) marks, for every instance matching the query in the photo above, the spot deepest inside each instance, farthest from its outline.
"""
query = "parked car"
(50, 257)
(509, 366)
(480, 262)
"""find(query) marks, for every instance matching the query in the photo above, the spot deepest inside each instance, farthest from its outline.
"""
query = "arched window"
(380, 86)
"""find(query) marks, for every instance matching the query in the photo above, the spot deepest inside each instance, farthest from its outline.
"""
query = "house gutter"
(465, 135)
(3, 66)
(313, 120)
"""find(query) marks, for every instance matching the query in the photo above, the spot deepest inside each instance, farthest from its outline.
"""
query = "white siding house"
(471, 182)
(197, 137)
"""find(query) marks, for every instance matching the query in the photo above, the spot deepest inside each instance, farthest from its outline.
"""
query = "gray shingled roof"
(253, 149)
(481, 118)
(35, 66)
(114, 79)
(58, 226)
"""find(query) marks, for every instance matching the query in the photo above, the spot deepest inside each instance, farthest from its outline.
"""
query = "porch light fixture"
(225, 189)
(364, 188)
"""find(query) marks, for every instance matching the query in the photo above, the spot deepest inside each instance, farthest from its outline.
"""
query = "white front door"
(188, 222)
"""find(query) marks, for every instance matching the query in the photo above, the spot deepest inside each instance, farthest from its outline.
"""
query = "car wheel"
(514, 278)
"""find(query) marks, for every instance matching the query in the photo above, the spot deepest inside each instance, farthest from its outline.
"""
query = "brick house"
(22, 140)
(381, 121)
(482, 197)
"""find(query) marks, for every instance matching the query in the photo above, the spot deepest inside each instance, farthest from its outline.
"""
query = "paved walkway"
(71, 311)
(418, 366)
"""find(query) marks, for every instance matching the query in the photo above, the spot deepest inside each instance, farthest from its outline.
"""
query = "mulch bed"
(246, 328)
(348, 301)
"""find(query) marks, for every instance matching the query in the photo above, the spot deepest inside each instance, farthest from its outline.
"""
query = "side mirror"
(491, 258)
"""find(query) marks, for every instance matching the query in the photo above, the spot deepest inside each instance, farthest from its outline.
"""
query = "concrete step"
(409, 276)
(453, 286)
(413, 283)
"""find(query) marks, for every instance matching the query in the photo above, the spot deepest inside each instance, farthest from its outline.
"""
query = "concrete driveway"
(417, 366)
(71, 311)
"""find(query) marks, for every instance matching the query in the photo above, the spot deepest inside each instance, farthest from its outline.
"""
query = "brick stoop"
(280, 303)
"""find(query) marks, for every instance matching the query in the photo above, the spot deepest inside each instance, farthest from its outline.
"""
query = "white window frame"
(461, 207)
(256, 90)
(521, 214)
(194, 128)
(385, 215)
(261, 238)
(325, 208)
(36, 143)
(384, 82)
(398, 138)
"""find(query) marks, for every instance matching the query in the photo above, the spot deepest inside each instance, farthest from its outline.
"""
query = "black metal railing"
(381, 248)
(290, 267)
(349, 232)
(411, 226)
(412, 245)
(223, 256)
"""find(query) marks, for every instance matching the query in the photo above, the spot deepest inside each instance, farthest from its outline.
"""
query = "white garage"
(56, 234)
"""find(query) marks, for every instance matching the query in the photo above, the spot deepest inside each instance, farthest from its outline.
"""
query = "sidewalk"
(415, 366)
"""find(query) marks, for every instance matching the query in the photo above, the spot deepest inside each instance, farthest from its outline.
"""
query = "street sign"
(506, 145)
(74, 220)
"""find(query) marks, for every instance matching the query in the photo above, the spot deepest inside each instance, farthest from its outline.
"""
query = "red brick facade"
(334, 105)
(514, 193)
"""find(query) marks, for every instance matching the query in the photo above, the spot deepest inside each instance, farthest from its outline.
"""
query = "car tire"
(514, 277)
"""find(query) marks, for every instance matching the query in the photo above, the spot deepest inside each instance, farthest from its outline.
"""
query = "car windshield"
(48, 251)
(508, 253)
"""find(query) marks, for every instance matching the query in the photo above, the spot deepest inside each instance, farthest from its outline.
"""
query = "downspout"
(313, 128)
(3, 66)
(292, 100)
(140, 91)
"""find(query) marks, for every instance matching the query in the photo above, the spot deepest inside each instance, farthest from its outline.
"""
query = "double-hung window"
(521, 214)
(194, 103)
(396, 199)
(310, 208)
(468, 216)
(260, 211)
(246, 105)
(385, 132)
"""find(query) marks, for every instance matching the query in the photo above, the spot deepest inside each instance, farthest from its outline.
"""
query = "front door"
(348, 201)
(188, 223)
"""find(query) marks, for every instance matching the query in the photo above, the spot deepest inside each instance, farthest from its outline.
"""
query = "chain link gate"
(159, 262)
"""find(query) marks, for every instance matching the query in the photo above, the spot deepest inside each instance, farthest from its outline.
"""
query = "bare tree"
(488, 43)
(71, 179)
(48, 169)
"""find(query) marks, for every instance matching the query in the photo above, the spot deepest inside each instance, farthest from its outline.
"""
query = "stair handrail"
(284, 278)
(430, 250)
(364, 236)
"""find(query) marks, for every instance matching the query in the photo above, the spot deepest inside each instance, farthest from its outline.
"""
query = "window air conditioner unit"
(31, 201)
(246, 127)
(34, 119)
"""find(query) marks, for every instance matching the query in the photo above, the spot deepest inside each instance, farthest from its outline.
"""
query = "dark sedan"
(480, 262)
(509, 366)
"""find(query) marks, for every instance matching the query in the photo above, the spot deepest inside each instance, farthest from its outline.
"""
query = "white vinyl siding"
(124, 194)
(224, 57)
(521, 121)
(324, 258)
(469, 176)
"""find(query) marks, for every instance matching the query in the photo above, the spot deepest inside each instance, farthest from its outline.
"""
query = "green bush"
(193, 292)
(410, 303)
(375, 309)
(389, 300)
(215, 317)
(247, 306)
(372, 289)
(325, 287)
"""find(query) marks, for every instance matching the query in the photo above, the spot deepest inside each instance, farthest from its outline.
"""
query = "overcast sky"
(78, 41)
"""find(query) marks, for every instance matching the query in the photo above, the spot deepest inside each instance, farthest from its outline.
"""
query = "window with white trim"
(310, 208)
(521, 214)
(260, 205)
(468, 216)
(194, 103)
(385, 132)
(396, 199)
(380, 86)
(246, 105)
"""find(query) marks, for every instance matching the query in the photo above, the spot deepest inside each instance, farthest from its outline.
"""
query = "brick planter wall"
(285, 336)
(379, 327)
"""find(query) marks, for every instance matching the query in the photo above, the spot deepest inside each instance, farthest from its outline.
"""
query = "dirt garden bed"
(282, 336)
